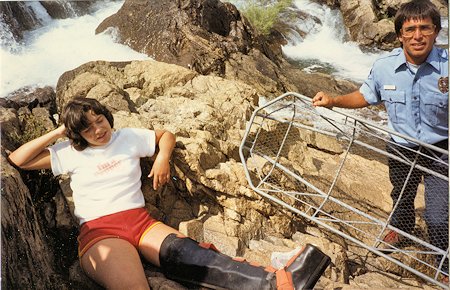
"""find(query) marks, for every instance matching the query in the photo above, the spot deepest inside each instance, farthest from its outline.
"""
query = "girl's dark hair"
(417, 9)
(75, 120)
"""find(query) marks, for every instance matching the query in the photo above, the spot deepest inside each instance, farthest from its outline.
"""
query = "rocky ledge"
(213, 38)
(208, 198)
(214, 71)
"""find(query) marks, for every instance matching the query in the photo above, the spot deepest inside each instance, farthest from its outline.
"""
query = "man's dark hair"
(417, 9)
(75, 120)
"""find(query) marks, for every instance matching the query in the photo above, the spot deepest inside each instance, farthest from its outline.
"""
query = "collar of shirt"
(433, 58)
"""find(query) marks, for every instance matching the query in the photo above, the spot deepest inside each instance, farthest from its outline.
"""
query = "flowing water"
(61, 45)
(325, 48)
(58, 46)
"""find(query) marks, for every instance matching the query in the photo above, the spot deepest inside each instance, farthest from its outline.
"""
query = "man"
(412, 82)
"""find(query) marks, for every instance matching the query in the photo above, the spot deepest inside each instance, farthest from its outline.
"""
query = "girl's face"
(99, 131)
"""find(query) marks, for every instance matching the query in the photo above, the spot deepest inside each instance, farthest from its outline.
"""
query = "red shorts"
(130, 225)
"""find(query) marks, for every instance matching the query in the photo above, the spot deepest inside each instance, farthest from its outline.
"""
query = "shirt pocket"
(436, 109)
(395, 103)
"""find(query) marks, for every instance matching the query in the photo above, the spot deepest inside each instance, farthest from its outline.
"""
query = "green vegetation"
(32, 128)
(41, 183)
(263, 14)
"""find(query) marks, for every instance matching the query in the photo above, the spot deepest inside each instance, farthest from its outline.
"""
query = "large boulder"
(208, 198)
(361, 18)
(27, 257)
(212, 37)
(200, 34)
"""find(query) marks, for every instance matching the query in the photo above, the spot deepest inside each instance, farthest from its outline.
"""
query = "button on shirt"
(415, 105)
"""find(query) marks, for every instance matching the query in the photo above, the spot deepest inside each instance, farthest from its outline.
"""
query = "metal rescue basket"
(331, 168)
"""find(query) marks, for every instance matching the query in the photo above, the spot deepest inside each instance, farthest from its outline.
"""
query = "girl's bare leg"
(151, 242)
(115, 264)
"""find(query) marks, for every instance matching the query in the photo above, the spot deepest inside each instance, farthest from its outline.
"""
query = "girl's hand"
(33, 154)
(160, 171)
(161, 168)
(61, 131)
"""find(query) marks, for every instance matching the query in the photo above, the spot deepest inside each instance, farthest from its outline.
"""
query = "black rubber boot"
(307, 266)
(183, 259)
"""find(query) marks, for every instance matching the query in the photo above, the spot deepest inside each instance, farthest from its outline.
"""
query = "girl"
(115, 227)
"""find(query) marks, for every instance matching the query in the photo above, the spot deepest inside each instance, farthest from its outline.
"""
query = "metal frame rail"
(293, 112)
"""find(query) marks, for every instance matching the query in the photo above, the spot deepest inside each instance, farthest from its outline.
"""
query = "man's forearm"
(351, 101)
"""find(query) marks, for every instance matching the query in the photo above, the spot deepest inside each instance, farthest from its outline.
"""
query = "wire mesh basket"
(350, 177)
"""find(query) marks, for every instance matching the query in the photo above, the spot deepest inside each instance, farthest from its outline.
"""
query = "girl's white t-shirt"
(105, 179)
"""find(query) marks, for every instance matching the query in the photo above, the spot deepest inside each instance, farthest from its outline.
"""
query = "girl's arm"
(33, 154)
(161, 168)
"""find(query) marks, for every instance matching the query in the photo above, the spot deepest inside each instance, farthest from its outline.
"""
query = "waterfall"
(38, 11)
(32, 14)
(58, 46)
(67, 7)
(325, 48)
(7, 39)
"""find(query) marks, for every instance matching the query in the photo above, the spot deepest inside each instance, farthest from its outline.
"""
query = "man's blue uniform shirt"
(414, 102)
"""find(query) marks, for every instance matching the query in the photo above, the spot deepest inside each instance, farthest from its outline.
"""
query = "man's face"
(418, 37)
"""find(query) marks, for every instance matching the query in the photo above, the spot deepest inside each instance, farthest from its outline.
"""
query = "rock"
(192, 229)
(20, 16)
(17, 18)
(10, 129)
(208, 197)
(376, 280)
(198, 34)
(101, 83)
(162, 283)
(28, 260)
(371, 23)
(214, 232)
(361, 17)
(339, 268)
(212, 38)
(33, 97)
(158, 281)
(66, 9)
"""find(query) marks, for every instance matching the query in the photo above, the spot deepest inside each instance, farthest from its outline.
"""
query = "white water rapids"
(62, 45)
(59, 46)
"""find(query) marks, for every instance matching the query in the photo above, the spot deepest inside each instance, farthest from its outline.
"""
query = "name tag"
(389, 87)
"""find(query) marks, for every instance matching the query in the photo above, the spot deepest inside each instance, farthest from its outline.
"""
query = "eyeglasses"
(425, 30)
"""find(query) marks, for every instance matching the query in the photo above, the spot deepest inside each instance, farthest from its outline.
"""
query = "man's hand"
(322, 100)
(353, 100)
